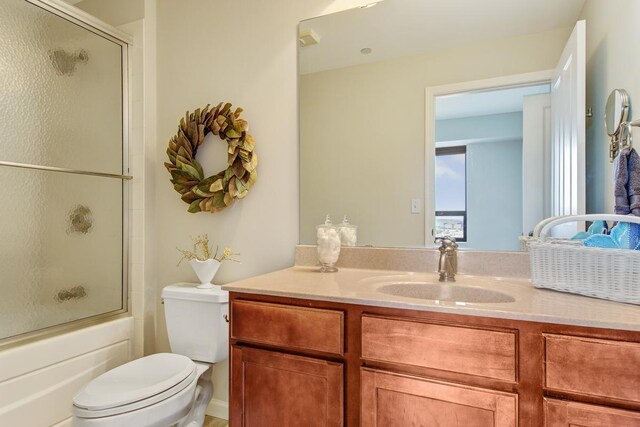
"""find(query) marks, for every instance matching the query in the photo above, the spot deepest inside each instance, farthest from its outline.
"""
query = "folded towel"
(598, 227)
(627, 182)
(633, 188)
(625, 235)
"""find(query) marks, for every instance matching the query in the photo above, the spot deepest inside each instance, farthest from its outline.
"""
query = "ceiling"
(395, 28)
(481, 103)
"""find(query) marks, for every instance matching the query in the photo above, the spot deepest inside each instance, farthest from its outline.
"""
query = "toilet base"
(204, 392)
(185, 409)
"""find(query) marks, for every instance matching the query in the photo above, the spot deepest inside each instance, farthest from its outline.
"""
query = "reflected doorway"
(491, 149)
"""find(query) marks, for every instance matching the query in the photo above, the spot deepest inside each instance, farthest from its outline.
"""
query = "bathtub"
(38, 379)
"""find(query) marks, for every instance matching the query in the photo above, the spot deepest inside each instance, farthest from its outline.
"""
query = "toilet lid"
(135, 381)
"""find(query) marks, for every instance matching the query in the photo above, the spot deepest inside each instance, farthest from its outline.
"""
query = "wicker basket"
(612, 274)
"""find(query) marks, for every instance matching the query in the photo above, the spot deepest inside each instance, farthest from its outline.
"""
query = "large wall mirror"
(420, 118)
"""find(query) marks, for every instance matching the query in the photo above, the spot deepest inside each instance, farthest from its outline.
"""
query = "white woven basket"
(612, 274)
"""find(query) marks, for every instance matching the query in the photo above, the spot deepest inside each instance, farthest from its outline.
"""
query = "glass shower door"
(62, 161)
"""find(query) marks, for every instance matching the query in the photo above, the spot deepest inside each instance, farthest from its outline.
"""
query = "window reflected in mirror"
(451, 192)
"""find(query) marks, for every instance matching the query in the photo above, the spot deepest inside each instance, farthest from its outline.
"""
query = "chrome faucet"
(448, 264)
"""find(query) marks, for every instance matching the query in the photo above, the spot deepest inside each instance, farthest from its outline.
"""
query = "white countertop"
(358, 286)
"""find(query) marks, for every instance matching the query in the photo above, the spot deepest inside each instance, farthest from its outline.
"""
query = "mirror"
(616, 111)
(425, 117)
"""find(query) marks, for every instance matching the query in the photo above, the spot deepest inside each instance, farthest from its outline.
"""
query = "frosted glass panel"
(61, 92)
(61, 251)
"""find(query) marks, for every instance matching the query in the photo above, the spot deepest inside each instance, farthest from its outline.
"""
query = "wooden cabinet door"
(395, 400)
(563, 413)
(271, 389)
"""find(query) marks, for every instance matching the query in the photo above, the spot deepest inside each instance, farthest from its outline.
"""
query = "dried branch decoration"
(203, 251)
(214, 193)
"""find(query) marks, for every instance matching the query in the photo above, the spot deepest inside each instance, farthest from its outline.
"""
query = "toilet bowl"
(164, 389)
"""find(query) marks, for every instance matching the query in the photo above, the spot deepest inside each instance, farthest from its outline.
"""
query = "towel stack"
(627, 182)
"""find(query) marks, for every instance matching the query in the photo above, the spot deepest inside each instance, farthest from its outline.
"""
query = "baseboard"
(63, 423)
(218, 408)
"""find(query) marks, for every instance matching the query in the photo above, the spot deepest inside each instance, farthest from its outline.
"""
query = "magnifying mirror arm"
(622, 138)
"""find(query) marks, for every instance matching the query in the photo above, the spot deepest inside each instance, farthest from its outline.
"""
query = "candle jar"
(328, 240)
(348, 233)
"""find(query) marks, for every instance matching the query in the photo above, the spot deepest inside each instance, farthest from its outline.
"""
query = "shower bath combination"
(66, 256)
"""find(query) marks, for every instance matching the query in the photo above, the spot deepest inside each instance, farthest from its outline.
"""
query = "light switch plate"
(415, 206)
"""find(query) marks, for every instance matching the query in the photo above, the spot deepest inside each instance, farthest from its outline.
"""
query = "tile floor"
(214, 422)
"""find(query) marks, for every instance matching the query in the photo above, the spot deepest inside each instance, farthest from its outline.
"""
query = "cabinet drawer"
(563, 413)
(288, 326)
(593, 367)
(480, 352)
(401, 400)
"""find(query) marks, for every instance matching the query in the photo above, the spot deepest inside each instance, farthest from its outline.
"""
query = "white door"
(536, 160)
(568, 131)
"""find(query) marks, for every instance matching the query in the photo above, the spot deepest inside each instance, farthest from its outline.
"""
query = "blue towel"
(625, 235)
(627, 182)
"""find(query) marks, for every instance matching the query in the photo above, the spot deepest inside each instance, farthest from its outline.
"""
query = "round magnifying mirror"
(616, 110)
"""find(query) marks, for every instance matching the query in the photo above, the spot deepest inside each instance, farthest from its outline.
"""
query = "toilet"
(164, 389)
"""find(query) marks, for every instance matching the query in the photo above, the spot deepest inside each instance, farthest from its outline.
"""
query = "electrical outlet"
(415, 206)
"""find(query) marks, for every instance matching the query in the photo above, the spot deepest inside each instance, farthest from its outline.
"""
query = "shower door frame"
(102, 29)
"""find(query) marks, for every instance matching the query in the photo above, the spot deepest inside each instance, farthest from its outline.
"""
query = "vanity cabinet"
(288, 326)
(277, 389)
(396, 400)
(593, 367)
(303, 363)
(277, 378)
(482, 352)
(563, 413)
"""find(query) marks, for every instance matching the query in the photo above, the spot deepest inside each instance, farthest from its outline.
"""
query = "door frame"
(431, 92)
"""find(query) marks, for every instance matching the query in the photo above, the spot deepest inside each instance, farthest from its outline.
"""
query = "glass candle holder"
(348, 233)
(328, 240)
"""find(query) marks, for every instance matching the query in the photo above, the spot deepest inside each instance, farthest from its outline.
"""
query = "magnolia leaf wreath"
(213, 193)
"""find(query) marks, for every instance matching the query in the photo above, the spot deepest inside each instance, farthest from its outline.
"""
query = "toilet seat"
(134, 385)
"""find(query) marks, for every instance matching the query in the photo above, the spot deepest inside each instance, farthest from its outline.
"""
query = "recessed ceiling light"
(368, 5)
(365, 50)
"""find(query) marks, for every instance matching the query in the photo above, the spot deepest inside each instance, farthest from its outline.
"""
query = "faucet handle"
(446, 241)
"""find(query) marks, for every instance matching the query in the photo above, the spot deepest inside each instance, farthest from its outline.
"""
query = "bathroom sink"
(444, 292)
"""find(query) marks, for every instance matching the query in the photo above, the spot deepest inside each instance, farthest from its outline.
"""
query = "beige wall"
(370, 119)
(613, 62)
(243, 52)
(115, 12)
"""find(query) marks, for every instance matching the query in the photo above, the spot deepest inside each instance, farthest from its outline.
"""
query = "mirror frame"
(611, 109)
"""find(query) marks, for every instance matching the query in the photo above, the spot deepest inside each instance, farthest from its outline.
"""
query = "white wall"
(362, 132)
(613, 62)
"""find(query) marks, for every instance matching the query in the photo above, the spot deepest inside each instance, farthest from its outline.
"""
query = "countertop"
(360, 286)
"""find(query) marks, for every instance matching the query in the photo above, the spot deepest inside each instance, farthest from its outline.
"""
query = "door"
(394, 400)
(536, 162)
(568, 131)
(277, 389)
(562, 413)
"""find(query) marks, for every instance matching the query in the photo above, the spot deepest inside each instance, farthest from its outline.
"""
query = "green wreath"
(214, 193)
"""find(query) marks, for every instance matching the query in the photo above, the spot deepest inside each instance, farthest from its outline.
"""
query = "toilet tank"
(196, 321)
